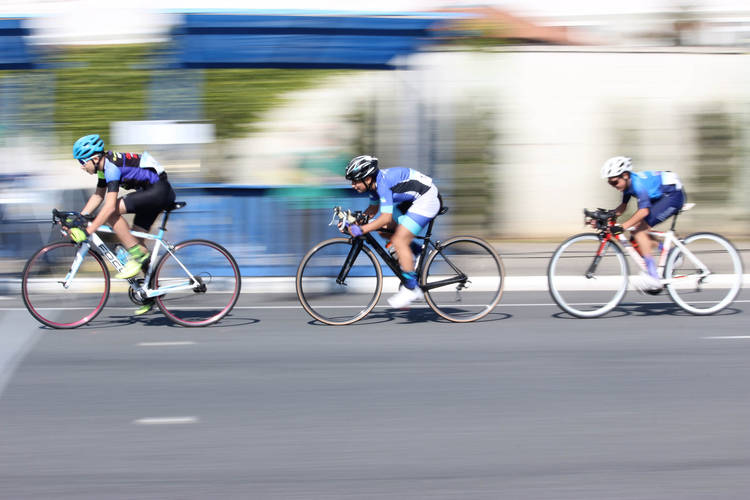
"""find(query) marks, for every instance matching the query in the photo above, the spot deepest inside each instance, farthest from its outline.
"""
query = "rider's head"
(617, 171)
(361, 169)
(89, 147)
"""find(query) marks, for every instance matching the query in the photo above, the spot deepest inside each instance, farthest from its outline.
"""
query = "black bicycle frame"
(393, 264)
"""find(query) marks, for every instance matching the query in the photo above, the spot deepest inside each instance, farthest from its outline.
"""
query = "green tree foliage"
(98, 85)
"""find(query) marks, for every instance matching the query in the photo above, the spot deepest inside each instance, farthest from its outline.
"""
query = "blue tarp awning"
(13, 51)
(299, 41)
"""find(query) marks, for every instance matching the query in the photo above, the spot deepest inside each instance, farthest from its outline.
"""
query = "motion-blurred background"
(510, 106)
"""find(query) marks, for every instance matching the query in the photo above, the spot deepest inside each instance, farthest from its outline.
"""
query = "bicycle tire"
(204, 305)
(477, 295)
(716, 291)
(575, 292)
(55, 306)
(328, 301)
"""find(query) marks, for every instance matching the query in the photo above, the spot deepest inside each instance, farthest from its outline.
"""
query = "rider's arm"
(98, 196)
(636, 218)
(380, 221)
(644, 207)
(372, 210)
(620, 209)
(94, 201)
(109, 207)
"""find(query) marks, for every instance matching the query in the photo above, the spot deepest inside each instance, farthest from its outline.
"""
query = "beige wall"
(560, 114)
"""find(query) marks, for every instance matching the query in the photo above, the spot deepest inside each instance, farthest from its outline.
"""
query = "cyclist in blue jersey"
(407, 201)
(659, 195)
(152, 194)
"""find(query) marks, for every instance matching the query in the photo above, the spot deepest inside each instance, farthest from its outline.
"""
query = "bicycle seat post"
(174, 206)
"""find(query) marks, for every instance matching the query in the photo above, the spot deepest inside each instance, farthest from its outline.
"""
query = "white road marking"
(165, 344)
(166, 420)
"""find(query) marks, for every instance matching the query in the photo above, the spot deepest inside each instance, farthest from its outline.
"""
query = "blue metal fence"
(267, 228)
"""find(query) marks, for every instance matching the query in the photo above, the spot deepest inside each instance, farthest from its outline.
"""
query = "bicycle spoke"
(322, 293)
(210, 295)
(582, 285)
(464, 281)
(49, 301)
(708, 280)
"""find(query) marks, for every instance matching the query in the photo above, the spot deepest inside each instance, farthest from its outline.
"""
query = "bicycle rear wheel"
(219, 283)
(49, 301)
(330, 301)
(710, 280)
(579, 287)
(474, 278)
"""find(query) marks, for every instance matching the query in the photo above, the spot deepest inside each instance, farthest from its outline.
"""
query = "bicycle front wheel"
(218, 283)
(707, 278)
(56, 303)
(333, 294)
(463, 279)
(583, 284)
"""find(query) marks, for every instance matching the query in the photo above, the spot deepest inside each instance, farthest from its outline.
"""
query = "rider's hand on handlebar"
(78, 235)
(615, 230)
(355, 230)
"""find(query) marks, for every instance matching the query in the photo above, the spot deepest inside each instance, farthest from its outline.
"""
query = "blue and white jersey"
(649, 186)
(396, 185)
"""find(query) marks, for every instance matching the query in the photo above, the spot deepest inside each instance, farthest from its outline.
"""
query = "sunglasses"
(83, 162)
(614, 180)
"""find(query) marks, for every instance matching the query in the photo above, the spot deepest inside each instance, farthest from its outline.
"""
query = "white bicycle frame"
(668, 238)
(97, 242)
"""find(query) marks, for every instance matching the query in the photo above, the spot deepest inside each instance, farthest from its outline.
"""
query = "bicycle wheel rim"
(49, 302)
(207, 303)
(710, 294)
(335, 303)
(573, 291)
(483, 279)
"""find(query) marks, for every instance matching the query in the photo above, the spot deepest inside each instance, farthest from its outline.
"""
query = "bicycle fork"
(77, 261)
(349, 262)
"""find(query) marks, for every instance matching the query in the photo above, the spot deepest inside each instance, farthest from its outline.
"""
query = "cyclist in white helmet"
(659, 195)
(407, 201)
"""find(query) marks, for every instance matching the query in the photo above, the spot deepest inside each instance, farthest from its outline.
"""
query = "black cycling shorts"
(148, 203)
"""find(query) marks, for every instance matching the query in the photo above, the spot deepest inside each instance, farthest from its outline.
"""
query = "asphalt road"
(647, 403)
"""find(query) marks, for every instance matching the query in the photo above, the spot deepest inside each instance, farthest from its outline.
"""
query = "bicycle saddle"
(175, 206)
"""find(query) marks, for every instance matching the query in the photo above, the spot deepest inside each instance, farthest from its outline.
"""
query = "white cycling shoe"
(405, 297)
(644, 282)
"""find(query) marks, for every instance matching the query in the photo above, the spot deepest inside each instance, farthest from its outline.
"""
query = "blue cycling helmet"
(87, 146)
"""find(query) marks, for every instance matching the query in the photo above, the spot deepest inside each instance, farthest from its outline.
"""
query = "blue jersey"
(125, 169)
(649, 186)
(397, 185)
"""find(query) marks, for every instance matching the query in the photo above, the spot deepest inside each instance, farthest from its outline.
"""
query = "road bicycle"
(66, 285)
(588, 274)
(339, 281)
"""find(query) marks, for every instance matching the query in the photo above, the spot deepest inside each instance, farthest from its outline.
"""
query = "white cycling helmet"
(616, 166)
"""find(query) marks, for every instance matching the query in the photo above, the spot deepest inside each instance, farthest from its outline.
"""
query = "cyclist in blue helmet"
(153, 193)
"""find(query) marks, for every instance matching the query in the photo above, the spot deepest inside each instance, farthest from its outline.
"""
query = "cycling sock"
(651, 266)
(411, 279)
(137, 253)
